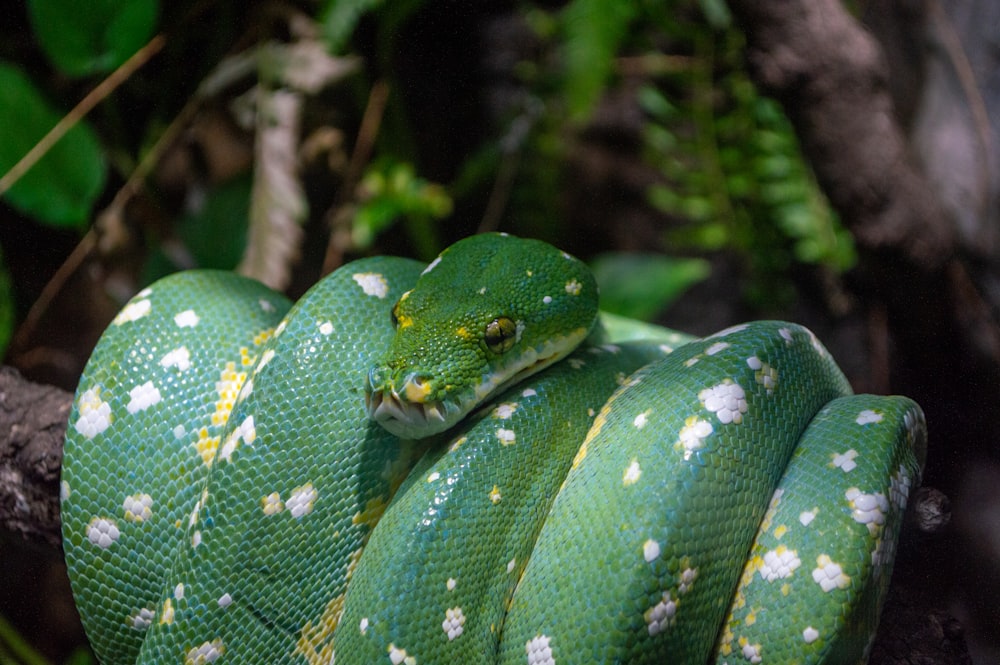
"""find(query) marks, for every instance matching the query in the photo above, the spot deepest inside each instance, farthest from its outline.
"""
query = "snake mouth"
(387, 406)
(404, 407)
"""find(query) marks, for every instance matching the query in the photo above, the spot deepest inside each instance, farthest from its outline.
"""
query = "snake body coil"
(229, 455)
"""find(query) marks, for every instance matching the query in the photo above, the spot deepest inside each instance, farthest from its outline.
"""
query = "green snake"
(550, 485)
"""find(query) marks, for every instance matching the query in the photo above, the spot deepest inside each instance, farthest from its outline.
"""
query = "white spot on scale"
(397, 656)
(454, 619)
(266, 305)
(573, 287)
(167, 615)
(505, 410)
(547, 300)
(727, 400)
(810, 635)
(650, 550)
(179, 358)
(511, 564)
(868, 509)
(692, 436)
(687, 578)
(867, 417)
(539, 651)
(145, 293)
(300, 503)
(845, 461)
(779, 563)
(265, 358)
(179, 591)
(718, 347)
(363, 625)
(752, 653)
(641, 419)
(807, 516)
(272, 504)
(142, 619)
(95, 414)
(433, 476)
(208, 652)
(786, 334)
(143, 397)
(225, 600)
(64, 491)
(431, 266)
(730, 330)
(372, 283)
(133, 311)
(196, 539)
(247, 430)
(138, 507)
(246, 389)
(528, 392)
(632, 473)
(506, 436)
(326, 328)
(662, 615)
(186, 319)
(829, 575)
(450, 584)
(102, 532)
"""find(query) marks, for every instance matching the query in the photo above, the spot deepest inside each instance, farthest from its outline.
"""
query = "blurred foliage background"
(282, 139)
(250, 136)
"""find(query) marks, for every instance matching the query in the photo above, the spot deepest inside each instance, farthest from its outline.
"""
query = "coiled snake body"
(555, 494)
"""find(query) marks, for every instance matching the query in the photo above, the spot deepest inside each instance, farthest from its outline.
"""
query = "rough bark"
(32, 423)
(830, 76)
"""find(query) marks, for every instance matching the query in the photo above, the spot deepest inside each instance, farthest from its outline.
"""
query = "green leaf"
(640, 286)
(594, 29)
(216, 233)
(716, 13)
(340, 17)
(83, 38)
(60, 189)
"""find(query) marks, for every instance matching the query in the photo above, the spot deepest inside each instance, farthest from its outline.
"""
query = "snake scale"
(546, 489)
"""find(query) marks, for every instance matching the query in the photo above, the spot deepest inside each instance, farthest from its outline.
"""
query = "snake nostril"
(374, 380)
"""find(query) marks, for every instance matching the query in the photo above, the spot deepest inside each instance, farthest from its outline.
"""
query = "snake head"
(490, 311)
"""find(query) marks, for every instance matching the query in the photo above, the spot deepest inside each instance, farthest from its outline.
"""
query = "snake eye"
(501, 333)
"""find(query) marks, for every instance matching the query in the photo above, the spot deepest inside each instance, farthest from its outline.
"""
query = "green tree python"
(547, 489)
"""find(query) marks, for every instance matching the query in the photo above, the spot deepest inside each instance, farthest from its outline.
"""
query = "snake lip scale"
(407, 412)
(387, 404)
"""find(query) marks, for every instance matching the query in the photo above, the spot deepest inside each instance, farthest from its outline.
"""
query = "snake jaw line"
(403, 417)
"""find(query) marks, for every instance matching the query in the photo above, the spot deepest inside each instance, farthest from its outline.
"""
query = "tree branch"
(829, 74)
(33, 424)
